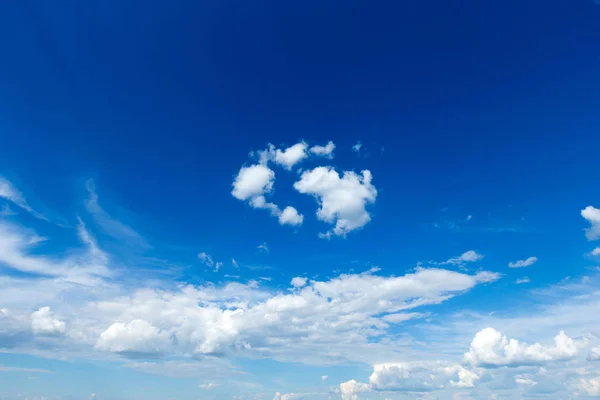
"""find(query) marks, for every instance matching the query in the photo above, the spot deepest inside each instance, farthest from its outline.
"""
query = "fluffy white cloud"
(324, 378)
(350, 389)
(590, 386)
(466, 377)
(135, 337)
(491, 348)
(253, 181)
(342, 201)
(299, 282)
(323, 151)
(357, 146)
(43, 322)
(596, 251)
(290, 216)
(592, 215)
(594, 354)
(291, 156)
(523, 263)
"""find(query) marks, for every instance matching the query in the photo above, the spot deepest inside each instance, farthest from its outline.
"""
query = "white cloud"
(6, 368)
(522, 280)
(592, 215)
(523, 263)
(402, 317)
(466, 257)
(323, 151)
(263, 247)
(350, 389)
(12, 194)
(135, 337)
(525, 382)
(218, 265)
(491, 348)
(253, 181)
(299, 282)
(208, 386)
(234, 263)
(43, 322)
(342, 201)
(594, 354)
(596, 251)
(206, 259)
(291, 156)
(590, 386)
(290, 216)
(324, 378)
(466, 377)
(357, 146)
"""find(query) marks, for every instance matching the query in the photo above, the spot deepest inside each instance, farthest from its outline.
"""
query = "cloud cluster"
(43, 322)
(342, 199)
(592, 215)
(490, 348)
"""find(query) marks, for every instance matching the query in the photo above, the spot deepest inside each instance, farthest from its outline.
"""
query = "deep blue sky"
(472, 108)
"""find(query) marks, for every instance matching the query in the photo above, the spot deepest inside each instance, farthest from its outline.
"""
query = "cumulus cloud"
(466, 377)
(290, 216)
(135, 337)
(523, 263)
(299, 282)
(592, 215)
(596, 251)
(490, 348)
(324, 378)
(290, 156)
(323, 151)
(350, 389)
(43, 322)
(342, 200)
(253, 183)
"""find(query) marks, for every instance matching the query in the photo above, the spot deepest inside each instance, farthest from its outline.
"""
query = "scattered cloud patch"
(298, 282)
(208, 386)
(522, 280)
(594, 354)
(323, 151)
(592, 215)
(356, 147)
(342, 200)
(525, 382)
(523, 263)
(10, 193)
(596, 251)
(263, 247)
(324, 378)
(466, 257)
(290, 216)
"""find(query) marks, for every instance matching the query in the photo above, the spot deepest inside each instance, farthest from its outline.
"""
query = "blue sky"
(312, 200)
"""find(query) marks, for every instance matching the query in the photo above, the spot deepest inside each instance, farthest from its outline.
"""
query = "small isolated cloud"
(263, 247)
(324, 378)
(299, 282)
(208, 386)
(290, 156)
(596, 251)
(469, 217)
(491, 348)
(290, 216)
(525, 382)
(592, 215)
(523, 263)
(234, 263)
(522, 280)
(43, 322)
(323, 151)
(356, 148)
(466, 257)
(342, 200)
(590, 386)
